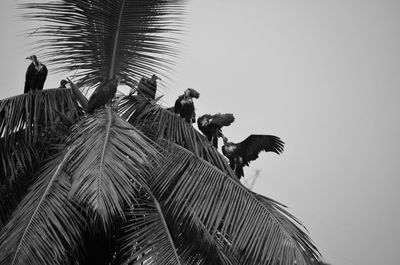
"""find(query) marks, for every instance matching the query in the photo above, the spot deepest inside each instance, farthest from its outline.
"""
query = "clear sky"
(322, 75)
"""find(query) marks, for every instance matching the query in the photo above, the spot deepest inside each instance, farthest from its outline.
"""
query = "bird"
(240, 154)
(103, 94)
(210, 125)
(147, 87)
(63, 83)
(184, 106)
(35, 75)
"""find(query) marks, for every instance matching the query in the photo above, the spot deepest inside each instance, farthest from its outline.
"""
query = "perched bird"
(184, 105)
(210, 125)
(242, 153)
(103, 94)
(35, 75)
(147, 87)
(63, 83)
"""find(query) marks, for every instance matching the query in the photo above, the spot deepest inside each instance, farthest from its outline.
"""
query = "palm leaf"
(29, 124)
(256, 230)
(195, 243)
(146, 236)
(152, 236)
(163, 125)
(100, 38)
(111, 162)
(46, 226)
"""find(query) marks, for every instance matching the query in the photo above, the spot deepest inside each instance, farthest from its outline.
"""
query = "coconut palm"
(128, 185)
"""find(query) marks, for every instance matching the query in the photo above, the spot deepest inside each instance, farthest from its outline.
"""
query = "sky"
(324, 76)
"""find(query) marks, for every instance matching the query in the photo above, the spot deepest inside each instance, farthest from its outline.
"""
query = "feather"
(184, 105)
(210, 125)
(241, 154)
(222, 120)
(35, 75)
(148, 87)
(249, 148)
(102, 95)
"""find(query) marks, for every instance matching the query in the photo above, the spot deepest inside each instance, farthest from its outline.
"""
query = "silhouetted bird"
(210, 125)
(147, 87)
(242, 153)
(63, 83)
(184, 105)
(103, 94)
(35, 75)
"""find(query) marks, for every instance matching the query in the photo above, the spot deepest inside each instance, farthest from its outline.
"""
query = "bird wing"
(223, 119)
(42, 75)
(103, 94)
(147, 88)
(205, 129)
(249, 148)
(28, 78)
(178, 105)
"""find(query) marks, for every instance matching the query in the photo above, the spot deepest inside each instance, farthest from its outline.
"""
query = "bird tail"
(215, 141)
(223, 119)
(239, 172)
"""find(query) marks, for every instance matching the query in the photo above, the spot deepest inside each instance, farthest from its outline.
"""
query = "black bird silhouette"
(35, 75)
(103, 94)
(242, 153)
(184, 105)
(147, 87)
(210, 125)
(63, 83)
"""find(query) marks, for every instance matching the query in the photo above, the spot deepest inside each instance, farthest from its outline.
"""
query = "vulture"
(147, 87)
(63, 83)
(103, 94)
(184, 105)
(210, 125)
(242, 153)
(35, 75)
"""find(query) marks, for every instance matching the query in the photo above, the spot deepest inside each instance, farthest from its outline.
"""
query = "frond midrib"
(166, 229)
(45, 193)
(254, 198)
(103, 151)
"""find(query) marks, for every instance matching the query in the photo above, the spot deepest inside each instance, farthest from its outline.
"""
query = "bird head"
(154, 77)
(33, 58)
(190, 92)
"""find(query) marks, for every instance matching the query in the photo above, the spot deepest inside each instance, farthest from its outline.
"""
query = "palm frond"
(101, 38)
(146, 237)
(112, 161)
(29, 124)
(256, 230)
(163, 125)
(195, 243)
(46, 227)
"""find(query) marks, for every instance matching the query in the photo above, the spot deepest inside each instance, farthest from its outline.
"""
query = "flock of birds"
(239, 154)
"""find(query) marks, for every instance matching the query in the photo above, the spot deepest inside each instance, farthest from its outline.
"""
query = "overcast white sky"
(322, 75)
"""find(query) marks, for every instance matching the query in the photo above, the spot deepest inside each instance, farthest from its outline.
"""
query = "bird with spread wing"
(240, 154)
(184, 105)
(211, 125)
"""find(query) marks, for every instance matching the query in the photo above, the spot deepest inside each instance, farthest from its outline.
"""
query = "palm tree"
(136, 185)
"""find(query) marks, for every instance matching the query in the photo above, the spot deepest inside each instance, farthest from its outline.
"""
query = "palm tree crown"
(131, 183)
